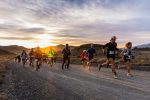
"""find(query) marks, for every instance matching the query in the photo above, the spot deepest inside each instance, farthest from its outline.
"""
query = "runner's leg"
(113, 67)
(128, 66)
(68, 62)
(89, 64)
(64, 61)
(104, 64)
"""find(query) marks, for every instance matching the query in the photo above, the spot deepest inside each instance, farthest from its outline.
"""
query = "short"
(111, 56)
(31, 58)
(126, 59)
(84, 59)
(90, 58)
(24, 59)
(38, 59)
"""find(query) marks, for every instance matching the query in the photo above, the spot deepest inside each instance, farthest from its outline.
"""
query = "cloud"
(18, 38)
(33, 30)
(75, 21)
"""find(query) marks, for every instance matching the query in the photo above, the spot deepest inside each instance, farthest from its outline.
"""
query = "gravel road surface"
(76, 83)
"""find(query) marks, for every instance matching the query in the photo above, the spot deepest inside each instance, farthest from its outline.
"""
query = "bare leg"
(84, 64)
(128, 66)
(113, 67)
(64, 61)
(68, 63)
(104, 64)
(89, 63)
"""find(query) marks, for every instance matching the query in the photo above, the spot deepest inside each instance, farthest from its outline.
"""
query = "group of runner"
(112, 52)
(87, 56)
(37, 57)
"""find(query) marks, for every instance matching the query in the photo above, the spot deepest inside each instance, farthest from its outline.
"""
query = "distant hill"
(143, 46)
(3, 52)
(13, 48)
(76, 51)
(57, 48)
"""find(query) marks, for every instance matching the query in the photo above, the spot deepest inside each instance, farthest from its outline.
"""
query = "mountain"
(76, 51)
(143, 46)
(57, 48)
(3, 52)
(13, 48)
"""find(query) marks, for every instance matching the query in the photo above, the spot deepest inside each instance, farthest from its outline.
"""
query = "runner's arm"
(106, 45)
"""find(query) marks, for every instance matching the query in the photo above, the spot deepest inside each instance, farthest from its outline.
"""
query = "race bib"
(111, 52)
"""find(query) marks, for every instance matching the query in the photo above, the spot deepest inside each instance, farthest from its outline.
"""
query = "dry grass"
(142, 57)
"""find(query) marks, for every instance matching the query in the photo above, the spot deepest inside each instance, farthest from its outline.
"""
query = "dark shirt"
(91, 52)
(38, 54)
(31, 53)
(128, 54)
(111, 48)
(66, 52)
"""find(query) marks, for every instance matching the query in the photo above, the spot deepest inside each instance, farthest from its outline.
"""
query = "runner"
(105, 53)
(127, 56)
(18, 58)
(51, 57)
(90, 54)
(111, 55)
(38, 58)
(31, 58)
(84, 58)
(55, 57)
(45, 58)
(66, 57)
(24, 57)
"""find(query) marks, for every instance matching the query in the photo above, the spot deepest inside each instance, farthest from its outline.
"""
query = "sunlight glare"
(45, 40)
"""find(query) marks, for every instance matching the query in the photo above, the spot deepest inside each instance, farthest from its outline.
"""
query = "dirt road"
(74, 84)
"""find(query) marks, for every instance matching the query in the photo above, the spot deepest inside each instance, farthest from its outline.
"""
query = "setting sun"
(45, 40)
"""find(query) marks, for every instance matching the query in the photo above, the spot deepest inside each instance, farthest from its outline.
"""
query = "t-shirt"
(66, 52)
(38, 54)
(31, 54)
(51, 53)
(24, 55)
(83, 55)
(111, 48)
(127, 53)
(91, 52)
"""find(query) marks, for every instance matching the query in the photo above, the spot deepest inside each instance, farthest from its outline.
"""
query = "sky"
(32, 23)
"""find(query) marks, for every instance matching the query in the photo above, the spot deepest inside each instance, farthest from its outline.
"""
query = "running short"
(111, 56)
(126, 59)
(90, 58)
(84, 59)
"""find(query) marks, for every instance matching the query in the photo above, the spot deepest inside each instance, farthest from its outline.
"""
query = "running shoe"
(129, 75)
(99, 66)
(115, 75)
